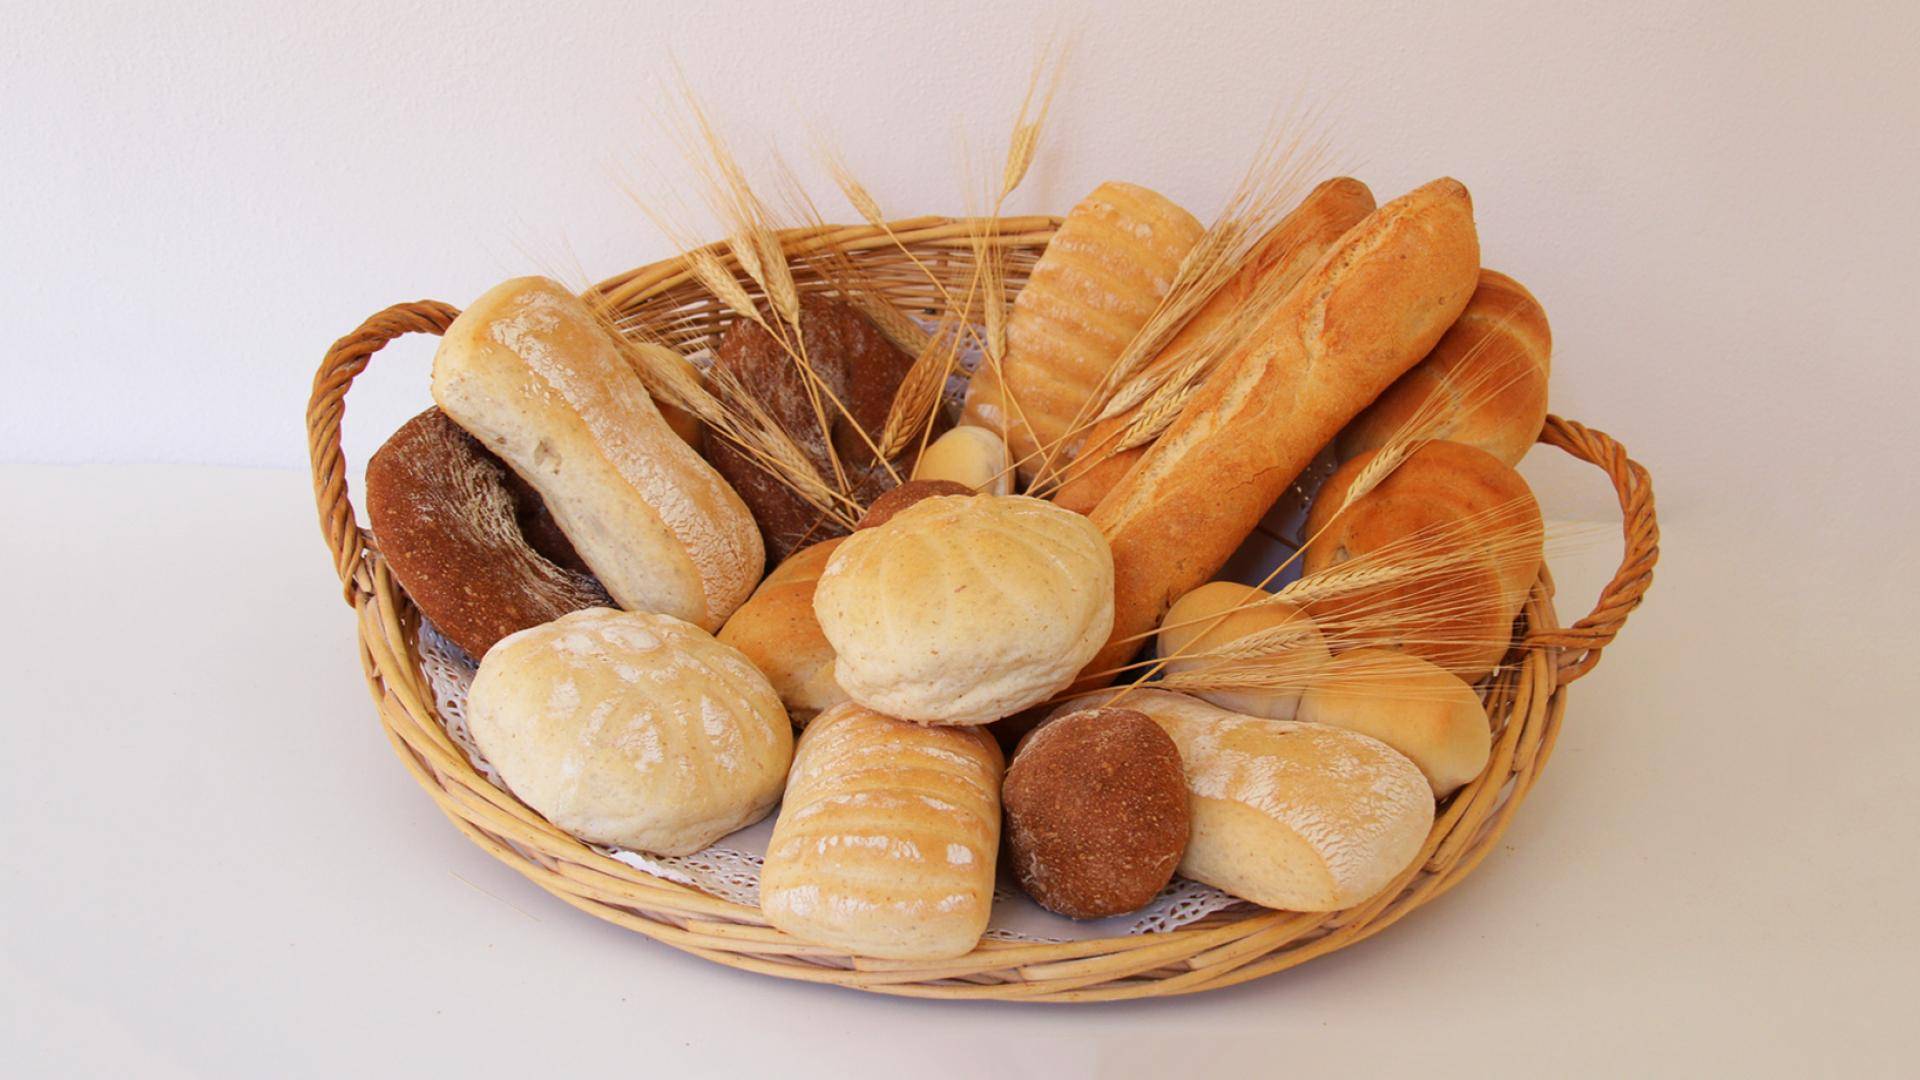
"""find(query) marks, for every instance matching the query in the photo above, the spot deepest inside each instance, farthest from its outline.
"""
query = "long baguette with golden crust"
(1367, 311)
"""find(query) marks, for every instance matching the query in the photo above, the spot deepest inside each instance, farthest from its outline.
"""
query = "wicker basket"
(1525, 700)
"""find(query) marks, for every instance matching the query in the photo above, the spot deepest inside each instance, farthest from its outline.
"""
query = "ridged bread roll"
(969, 455)
(635, 730)
(1432, 717)
(1296, 817)
(965, 609)
(886, 840)
(1220, 613)
(776, 630)
(1112, 261)
(1279, 262)
(1372, 306)
(1460, 616)
(530, 372)
(1493, 364)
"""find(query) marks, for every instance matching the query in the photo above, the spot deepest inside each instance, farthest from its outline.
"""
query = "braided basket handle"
(344, 361)
(1580, 644)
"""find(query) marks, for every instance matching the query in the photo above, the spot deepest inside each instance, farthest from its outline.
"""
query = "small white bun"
(635, 730)
(1419, 709)
(970, 455)
(1203, 623)
(965, 609)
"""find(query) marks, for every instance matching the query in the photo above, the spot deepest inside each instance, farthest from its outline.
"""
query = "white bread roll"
(776, 630)
(635, 730)
(886, 841)
(964, 609)
(1432, 717)
(968, 455)
(1296, 817)
(529, 372)
(1217, 615)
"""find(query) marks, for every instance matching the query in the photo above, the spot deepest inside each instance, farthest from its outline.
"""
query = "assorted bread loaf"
(1287, 743)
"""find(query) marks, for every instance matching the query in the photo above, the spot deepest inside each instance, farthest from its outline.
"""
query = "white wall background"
(1714, 200)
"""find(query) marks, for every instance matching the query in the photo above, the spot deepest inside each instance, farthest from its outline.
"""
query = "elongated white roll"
(1423, 711)
(887, 837)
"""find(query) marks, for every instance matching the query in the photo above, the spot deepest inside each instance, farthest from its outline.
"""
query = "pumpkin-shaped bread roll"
(887, 837)
(635, 730)
(776, 630)
(1108, 266)
(965, 609)
(1197, 636)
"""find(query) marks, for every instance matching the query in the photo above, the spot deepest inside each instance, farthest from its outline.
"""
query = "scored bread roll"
(1369, 309)
(969, 455)
(1485, 549)
(1432, 717)
(530, 372)
(963, 609)
(1492, 364)
(1220, 613)
(776, 630)
(1108, 266)
(1291, 816)
(635, 730)
(1276, 265)
(886, 840)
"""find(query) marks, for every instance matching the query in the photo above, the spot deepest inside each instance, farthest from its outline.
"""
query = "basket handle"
(344, 361)
(1580, 644)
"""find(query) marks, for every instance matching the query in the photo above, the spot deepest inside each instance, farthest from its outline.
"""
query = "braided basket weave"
(1526, 699)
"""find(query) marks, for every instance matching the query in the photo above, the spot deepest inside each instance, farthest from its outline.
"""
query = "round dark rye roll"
(475, 549)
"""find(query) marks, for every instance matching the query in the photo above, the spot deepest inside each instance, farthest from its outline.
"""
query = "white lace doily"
(730, 869)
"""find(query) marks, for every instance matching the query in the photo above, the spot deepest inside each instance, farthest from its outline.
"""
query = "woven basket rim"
(1527, 699)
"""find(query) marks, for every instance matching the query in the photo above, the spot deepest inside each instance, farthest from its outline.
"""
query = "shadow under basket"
(1526, 699)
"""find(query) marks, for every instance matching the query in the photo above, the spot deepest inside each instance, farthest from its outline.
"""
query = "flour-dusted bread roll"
(1292, 816)
(965, 609)
(1432, 717)
(886, 840)
(635, 730)
(776, 630)
(1482, 523)
(530, 372)
(1108, 266)
(1200, 627)
(1492, 369)
(969, 455)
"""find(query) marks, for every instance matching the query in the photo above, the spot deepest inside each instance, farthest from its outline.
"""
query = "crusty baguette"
(886, 840)
(1284, 256)
(1368, 310)
(529, 372)
(1104, 272)
(1293, 816)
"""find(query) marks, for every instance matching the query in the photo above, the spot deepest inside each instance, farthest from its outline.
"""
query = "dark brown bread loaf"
(1096, 813)
(859, 366)
(477, 561)
(883, 508)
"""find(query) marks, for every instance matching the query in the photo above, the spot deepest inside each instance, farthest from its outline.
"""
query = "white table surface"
(214, 866)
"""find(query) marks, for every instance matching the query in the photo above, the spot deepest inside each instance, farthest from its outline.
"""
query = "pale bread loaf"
(1111, 262)
(1291, 816)
(1277, 264)
(776, 630)
(964, 609)
(1492, 365)
(529, 372)
(1432, 717)
(635, 730)
(1219, 613)
(886, 841)
(968, 455)
(1369, 309)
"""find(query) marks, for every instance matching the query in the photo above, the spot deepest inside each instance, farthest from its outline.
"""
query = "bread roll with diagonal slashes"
(1110, 264)
(886, 840)
(530, 372)
(1368, 310)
